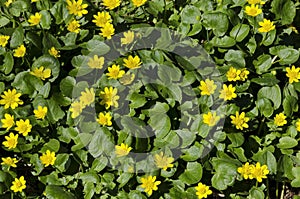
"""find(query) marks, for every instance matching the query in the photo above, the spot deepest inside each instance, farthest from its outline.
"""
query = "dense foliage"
(159, 99)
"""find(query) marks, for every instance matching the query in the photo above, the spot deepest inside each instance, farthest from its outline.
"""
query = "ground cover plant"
(149, 99)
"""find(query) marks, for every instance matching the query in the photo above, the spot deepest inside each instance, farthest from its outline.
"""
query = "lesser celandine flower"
(104, 119)
(102, 18)
(122, 150)
(202, 191)
(280, 119)
(256, 2)
(48, 158)
(162, 161)
(114, 72)
(298, 125)
(207, 87)
(96, 62)
(10, 98)
(20, 51)
(233, 74)
(128, 38)
(54, 52)
(8, 121)
(11, 141)
(23, 127)
(35, 19)
(109, 97)
(41, 72)
(127, 78)
(87, 97)
(132, 62)
(18, 184)
(138, 3)
(4, 40)
(76, 108)
(246, 170)
(239, 120)
(244, 74)
(253, 10)
(210, 118)
(8, 2)
(228, 92)
(259, 172)
(76, 7)
(40, 112)
(107, 31)
(266, 26)
(111, 4)
(293, 74)
(149, 184)
(74, 26)
(11, 162)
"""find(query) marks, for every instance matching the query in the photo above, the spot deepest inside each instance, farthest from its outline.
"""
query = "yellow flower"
(111, 4)
(253, 10)
(33, 1)
(256, 2)
(202, 191)
(138, 3)
(128, 38)
(104, 119)
(74, 26)
(76, 7)
(109, 97)
(8, 121)
(132, 62)
(41, 73)
(122, 150)
(102, 18)
(260, 172)
(107, 30)
(11, 99)
(228, 92)
(11, 162)
(279, 119)
(210, 118)
(19, 184)
(41, 112)
(298, 125)
(20, 51)
(11, 141)
(8, 2)
(233, 74)
(23, 127)
(266, 26)
(48, 158)
(87, 97)
(54, 52)
(127, 78)
(244, 74)
(4, 40)
(246, 171)
(76, 109)
(163, 162)
(293, 74)
(114, 72)
(35, 19)
(239, 120)
(149, 184)
(207, 87)
(96, 62)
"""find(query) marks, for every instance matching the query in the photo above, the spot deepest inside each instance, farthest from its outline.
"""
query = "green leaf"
(8, 63)
(17, 37)
(27, 83)
(124, 178)
(223, 42)
(192, 174)
(251, 45)
(3, 21)
(285, 10)
(52, 145)
(60, 12)
(269, 38)
(99, 163)
(256, 193)
(97, 47)
(265, 107)
(288, 56)
(61, 161)
(237, 139)
(45, 20)
(54, 111)
(55, 192)
(35, 39)
(235, 58)
(190, 14)
(287, 143)
(187, 137)
(159, 120)
(239, 32)
(273, 93)
(36, 162)
(263, 63)
(289, 105)
(266, 80)
(296, 173)
(66, 86)
(101, 143)
(216, 21)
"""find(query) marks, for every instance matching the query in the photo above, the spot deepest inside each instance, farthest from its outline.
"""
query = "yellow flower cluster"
(202, 191)
(249, 171)
(86, 99)
(280, 119)
(293, 74)
(240, 120)
(41, 73)
(149, 184)
(237, 74)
